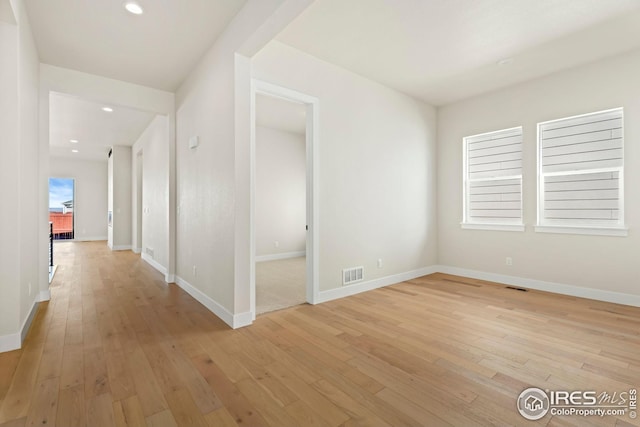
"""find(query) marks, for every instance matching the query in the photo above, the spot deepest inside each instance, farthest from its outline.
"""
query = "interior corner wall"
(19, 161)
(90, 198)
(601, 263)
(10, 167)
(207, 224)
(280, 193)
(377, 152)
(28, 78)
(119, 198)
(153, 146)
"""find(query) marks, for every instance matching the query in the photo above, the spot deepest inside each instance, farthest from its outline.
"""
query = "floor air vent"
(517, 289)
(352, 275)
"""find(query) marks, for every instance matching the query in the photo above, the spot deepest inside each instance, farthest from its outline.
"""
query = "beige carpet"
(280, 284)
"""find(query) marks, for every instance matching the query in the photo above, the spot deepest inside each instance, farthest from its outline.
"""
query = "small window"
(581, 173)
(493, 180)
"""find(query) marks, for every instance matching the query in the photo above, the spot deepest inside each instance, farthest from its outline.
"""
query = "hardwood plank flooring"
(116, 346)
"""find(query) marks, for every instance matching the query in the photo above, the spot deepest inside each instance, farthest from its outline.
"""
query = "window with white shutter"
(581, 174)
(493, 180)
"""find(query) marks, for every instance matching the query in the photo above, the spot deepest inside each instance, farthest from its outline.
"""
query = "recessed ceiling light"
(107, 109)
(73, 141)
(133, 7)
(505, 61)
(74, 151)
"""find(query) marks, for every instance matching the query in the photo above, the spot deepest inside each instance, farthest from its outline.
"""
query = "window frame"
(494, 226)
(580, 227)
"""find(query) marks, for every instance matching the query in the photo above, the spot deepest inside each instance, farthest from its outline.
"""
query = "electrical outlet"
(508, 261)
(379, 262)
(195, 271)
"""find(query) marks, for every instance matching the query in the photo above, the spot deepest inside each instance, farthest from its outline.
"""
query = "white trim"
(496, 227)
(153, 263)
(312, 143)
(27, 322)
(541, 285)
(349, 290)
(587, 230)
(234, 321)
(243, 319)
(120, 248)
(10, 342)
(52, 273)
(620, 229)
(170, 278)
(14, 341)
(44, 295)
(284, 255)
(137, 250)
(91, 239)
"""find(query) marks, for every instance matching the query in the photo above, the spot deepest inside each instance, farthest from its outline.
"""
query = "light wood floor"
(116, 346)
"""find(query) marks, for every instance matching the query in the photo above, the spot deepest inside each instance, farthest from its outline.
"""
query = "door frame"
(311, 146)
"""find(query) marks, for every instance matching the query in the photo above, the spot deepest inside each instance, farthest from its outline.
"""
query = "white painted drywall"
(19, 166)
(280, 202)
(598, 262)
(28, 77)
(90, 203)
(377, 167)
(10, 167)
(212, 226)
(153, 149)
(119, 197)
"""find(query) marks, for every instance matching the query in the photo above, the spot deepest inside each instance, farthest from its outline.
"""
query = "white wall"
(19, 164)
(90, 203)
(213, 180)
(119, 197)
(377, 167)
(280, 204)
(153, 147)
(10, 167)
(593, 262)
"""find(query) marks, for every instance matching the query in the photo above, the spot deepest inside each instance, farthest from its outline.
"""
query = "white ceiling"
(280, 114)
(444, 50)
(156, 49)
(96, 130)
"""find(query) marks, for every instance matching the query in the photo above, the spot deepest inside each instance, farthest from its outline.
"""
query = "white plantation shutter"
(493, 177)
(581, 162)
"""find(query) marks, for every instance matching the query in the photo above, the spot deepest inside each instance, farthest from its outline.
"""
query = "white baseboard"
(233, 320)
(541, 285)
(155, 264)
(14, 341)
(170, 278)
(10, 342)
(285, 255)
(44, 296)
(90, 239)
(120, 247)
(27, 322)
(345, 291)
(137, 250)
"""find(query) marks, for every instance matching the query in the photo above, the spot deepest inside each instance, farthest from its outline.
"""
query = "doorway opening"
(283, 199)
(61, 205)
